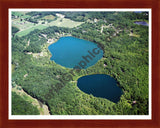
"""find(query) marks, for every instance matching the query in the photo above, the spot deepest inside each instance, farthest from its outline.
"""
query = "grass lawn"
(17, 13)
(49, 17)
(21, 14)
(21, 25)
(25, 16)
(64, 23)
(27, 31)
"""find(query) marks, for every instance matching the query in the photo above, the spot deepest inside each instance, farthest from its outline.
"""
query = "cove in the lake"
(141, 23)
(100, 85)
(75, 53)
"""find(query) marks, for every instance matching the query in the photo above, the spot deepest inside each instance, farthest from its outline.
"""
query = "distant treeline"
(38, 15)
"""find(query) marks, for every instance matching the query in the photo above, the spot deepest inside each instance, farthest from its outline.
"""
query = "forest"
(23, 107)
(125, 58)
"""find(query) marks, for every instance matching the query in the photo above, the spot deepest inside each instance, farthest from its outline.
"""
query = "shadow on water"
(100, 85)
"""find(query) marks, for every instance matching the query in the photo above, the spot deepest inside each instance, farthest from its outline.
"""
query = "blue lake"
(141, 23)
(100, 85)
(75, 53)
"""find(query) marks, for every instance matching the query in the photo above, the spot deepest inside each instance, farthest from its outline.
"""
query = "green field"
(21, 25)
(28, 27)
(49, 17)
(27, 31)
(20, 14)
(65, 23)
(17, 13)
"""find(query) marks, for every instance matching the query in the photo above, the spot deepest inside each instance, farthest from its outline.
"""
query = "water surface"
(75, 53)
(141, 23)
(100, 85)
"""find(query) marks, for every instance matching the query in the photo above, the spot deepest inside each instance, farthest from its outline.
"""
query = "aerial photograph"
(79, 62)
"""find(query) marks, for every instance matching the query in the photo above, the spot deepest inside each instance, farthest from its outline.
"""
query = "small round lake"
(141, 23)
(75, 53)
(100, 85)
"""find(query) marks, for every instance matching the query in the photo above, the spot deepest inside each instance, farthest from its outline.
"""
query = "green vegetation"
(20, 15)
(14, 30)
(17, 14)
(125, 59)
(65, 23)
(49, 17)
(27, 31)
(22, 107)
(41, 20)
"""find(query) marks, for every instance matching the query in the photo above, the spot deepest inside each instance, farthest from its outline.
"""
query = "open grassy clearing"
(27, 27)
(17, 13)
(64, 23)
(49, 17)
(22, 25)
(25, 16)
(21, 14)
(27, 31)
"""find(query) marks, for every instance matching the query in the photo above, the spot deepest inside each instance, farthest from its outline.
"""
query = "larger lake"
(75, 53)
(100, 85)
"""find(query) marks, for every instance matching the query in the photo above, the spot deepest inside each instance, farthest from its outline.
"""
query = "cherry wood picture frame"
(154, 5)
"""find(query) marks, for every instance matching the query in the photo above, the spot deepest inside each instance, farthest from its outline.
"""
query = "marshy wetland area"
(80, 63)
